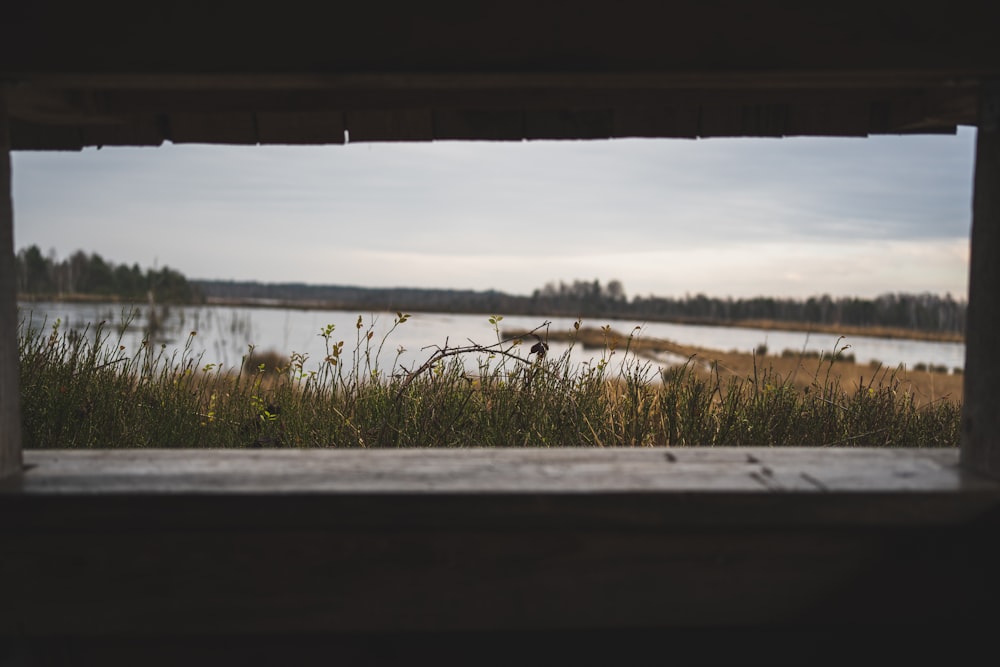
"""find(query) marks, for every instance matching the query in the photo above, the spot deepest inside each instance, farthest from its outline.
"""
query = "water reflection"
(225, 334)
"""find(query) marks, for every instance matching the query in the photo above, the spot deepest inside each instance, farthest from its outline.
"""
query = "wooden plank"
(907, 112)
(778, 646)
(514, 487)
(835, 119)
(880, 116)
(481, 91)
(913, 114)
(496, 113)
(307, 127)
(479, 124)
(111, 577)
(10, 397)
(632, 35)
(568, 124)
(981, 408)
(394, 125)
(214, 128)
(38, 137)
(744, 120)
(679, 121)
(136, 131)
(102, 544)
(790, 79)
(550, 471)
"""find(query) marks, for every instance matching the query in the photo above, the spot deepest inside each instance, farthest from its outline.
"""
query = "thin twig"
(855, 437)
(113, 361)
(444, 352)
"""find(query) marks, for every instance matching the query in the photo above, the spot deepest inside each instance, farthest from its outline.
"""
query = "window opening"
(613, 235)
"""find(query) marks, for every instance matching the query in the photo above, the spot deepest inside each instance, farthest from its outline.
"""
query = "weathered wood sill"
(201, 544)
(612, 487)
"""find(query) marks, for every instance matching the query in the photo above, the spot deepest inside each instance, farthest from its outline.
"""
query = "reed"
(85, 390)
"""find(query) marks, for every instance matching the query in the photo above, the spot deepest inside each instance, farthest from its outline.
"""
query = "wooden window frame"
(697, 528)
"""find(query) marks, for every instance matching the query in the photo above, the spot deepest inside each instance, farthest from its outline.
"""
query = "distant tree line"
(589, 299)
(80, 274)
(364, 298)
(581, 297)
(920, 312)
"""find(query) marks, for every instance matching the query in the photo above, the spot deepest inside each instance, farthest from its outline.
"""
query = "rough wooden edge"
(98, 564)
(981, 411)
(513, 471)
(10, 413)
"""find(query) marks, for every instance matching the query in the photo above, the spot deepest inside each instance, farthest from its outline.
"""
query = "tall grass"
(85, 390)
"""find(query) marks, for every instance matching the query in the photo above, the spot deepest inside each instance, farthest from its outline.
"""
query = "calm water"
(224, 334)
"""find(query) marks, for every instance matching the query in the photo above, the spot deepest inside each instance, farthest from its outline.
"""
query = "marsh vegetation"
(88, 390)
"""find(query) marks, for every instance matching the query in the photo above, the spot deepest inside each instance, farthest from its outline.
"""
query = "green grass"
(86, 391)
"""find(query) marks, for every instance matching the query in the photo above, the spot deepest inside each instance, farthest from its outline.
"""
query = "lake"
(225, 333)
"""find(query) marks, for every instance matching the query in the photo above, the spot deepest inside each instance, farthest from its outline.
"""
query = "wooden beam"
(392, 125)
(41, 119)
(744, 120)
(300, 127)
(128, 543)
(215, 128)
(10, 397)
(522, 34)
(32, 87)
(136, 131)
(479, 124)
(677, 121)
(981, 411)
(898, 478)
(569, 124)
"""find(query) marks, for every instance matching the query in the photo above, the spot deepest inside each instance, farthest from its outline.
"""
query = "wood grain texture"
(132, 131)
(569, 124)
(482, 470)
(215, 128)
(84, 80)
(476, 124)
(318, 127)
(128, 545)
(235, 543)
(491, 106)
(655, 122)
(832, 645)
(393, 125)
(981, 408)
(923, 486)
(10, 397)
(520, 34)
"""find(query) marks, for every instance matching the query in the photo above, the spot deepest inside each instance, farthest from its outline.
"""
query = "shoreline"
(766, 325)
(846, 330)
(926, 385)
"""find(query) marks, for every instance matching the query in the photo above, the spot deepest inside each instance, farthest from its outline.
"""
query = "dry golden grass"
(802, 371)
(83, 392)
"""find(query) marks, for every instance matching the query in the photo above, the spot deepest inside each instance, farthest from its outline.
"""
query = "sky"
(791, 217)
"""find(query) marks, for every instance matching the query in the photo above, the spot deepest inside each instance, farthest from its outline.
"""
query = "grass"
(87, 391)
(925, 384)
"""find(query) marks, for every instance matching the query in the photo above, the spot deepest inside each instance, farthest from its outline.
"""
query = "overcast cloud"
(740, 217)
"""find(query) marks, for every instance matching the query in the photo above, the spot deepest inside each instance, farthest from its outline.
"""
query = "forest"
(83, 275)
(591, 298)
(920, 312)
(90, 275)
